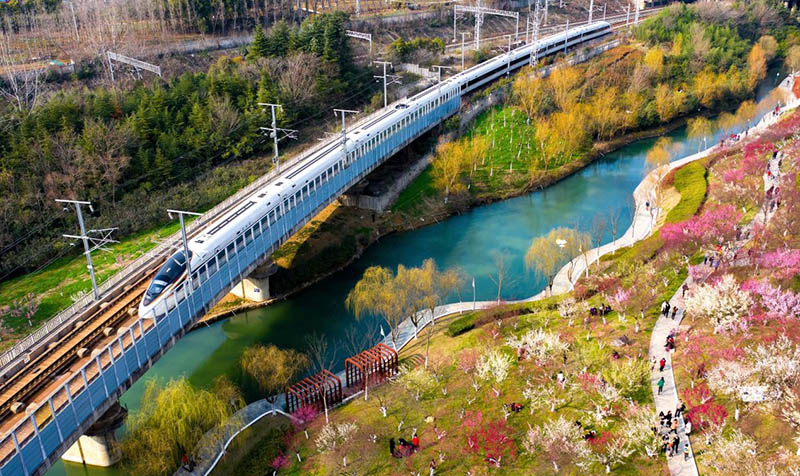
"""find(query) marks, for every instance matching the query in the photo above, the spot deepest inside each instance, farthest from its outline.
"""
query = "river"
(471, 241)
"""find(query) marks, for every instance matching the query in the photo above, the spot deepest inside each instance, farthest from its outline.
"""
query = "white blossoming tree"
(561, 441)
(540, 344)
(334, 435)
(493, 365)
(723, 302)
(776, 364)
(731, 454)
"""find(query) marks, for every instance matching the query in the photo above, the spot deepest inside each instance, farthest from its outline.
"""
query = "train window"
(272, 217)
(285, 205)
(212, 267)
(230, 249)
(265, 221)
(336, 167)
(239, 242)
(298, 196)
(203, 273)
(248, 236)
(221, 258)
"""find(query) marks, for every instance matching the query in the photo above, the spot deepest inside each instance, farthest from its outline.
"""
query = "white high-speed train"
(288, 191)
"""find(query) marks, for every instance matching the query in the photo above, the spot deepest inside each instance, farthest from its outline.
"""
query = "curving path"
(214, 444)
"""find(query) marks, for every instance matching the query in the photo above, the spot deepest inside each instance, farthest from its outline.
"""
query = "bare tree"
(318, 354)
(357, 340)
(20, 84)
(613, 226)
(500, 260)
(597, 231)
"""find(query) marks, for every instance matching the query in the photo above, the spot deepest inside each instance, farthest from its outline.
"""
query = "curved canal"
(471, 241)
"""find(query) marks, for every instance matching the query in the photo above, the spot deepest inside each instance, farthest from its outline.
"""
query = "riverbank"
(355, 229)
(640, 195)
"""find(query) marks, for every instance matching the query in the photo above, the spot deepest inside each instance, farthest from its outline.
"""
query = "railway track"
(100, 326)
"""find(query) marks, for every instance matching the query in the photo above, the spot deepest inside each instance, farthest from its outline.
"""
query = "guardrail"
(162, 250)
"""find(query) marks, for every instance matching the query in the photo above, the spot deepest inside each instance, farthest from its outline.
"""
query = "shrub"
(461, 325)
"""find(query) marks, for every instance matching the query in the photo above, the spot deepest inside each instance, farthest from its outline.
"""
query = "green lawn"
(59, 284)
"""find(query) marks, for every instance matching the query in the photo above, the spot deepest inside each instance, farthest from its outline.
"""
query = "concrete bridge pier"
(97, 447)
(255, 287)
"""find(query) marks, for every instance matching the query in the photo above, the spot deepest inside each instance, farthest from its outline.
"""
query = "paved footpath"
(213, 446)
(668, 399)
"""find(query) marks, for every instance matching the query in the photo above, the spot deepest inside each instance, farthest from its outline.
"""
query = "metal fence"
(62, 414)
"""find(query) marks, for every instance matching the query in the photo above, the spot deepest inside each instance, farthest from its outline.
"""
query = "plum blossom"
(723, 302)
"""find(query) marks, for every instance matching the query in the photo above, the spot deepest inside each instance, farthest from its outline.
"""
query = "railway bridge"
(56, 385)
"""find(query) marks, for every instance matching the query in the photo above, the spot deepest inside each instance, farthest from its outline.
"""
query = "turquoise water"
(470, 241)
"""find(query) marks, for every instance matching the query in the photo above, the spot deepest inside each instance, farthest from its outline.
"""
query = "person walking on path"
(674, 312)
(684, 288)
(685, 454)
(661, 364)
(663, 307)
(660, 385)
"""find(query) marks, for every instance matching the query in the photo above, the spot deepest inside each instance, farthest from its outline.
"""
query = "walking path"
(667, 400)
(214, 443)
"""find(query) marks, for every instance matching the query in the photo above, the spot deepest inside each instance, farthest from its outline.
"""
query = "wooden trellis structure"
(376, 364)
(310, 391)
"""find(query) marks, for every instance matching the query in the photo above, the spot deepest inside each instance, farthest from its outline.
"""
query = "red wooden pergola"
(376, 364)
(310, 391)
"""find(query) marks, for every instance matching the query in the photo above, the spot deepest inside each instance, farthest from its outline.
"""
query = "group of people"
(665, 310)
(601, 311)
(669, 344)
(405, 448)
(668, 431)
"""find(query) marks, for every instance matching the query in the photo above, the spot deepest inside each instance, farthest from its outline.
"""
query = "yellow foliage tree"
(748, 110)
(699, 128)
(569, 133)
(564, 81)
(756, 64)
(668, 103)
(606, 114)
(530, 92)
(548, 253)
(448, 164)
(654, 59)
(793, 58)
(706, 88)
(478, 148)
(769, 45)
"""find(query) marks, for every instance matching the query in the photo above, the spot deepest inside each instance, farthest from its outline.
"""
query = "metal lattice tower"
(536, 22)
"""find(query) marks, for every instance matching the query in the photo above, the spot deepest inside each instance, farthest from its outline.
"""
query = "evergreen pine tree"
(259, 48)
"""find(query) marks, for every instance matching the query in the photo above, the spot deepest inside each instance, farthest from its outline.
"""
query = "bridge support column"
(256, 286)
(98, 446)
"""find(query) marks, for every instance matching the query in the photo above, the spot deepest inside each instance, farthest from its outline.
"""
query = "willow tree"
(747, 111)
(547, 253)
(377, 293)
(448, 164)
(699, 128)
(272, 368)
(169, 423)
(432, 287)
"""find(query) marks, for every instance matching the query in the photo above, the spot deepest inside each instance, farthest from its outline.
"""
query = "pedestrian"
(660, 385)
(667, 313)
(391, 446)
(432, 467)
(676, 444)
(705, 259)
(685, 288)
(685, 452)
(680, 409)
(687, 428)
(661, 364)
(663, 307)
(674, 312)
(669, 448)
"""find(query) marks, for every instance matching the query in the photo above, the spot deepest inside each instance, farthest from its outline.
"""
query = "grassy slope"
(56, 285)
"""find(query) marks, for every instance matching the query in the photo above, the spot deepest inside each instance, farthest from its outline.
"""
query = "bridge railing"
(162, 250)
(81, 397)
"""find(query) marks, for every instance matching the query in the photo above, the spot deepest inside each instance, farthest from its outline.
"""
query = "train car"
(288, 192)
